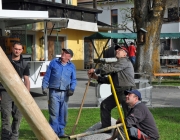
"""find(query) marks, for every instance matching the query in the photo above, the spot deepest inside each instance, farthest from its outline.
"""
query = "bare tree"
(148, 15)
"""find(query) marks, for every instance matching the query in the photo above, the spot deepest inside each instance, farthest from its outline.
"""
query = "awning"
(103, 35)
(21, 17)
(170, 35)
(14, 18)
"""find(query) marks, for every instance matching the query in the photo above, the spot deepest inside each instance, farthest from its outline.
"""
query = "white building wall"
(172, 27)
(105, 16)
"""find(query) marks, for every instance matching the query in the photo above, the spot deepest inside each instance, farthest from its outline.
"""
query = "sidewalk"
(161, 96)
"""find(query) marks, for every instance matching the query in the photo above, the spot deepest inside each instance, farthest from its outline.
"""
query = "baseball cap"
(68, 51)
(121, 47)
(136, 92)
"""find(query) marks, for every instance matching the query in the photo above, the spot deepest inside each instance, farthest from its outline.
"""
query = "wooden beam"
(166, 74)
(24, 101)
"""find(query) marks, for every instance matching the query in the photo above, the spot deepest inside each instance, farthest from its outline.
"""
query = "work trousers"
(109, 103)
(58, 110)
(8, 109)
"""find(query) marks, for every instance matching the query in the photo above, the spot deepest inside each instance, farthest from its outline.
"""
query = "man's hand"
(45, 91)
(70, 92)
(91, 73)
(118, 121)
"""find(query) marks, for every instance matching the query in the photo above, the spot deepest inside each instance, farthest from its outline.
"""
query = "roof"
(102, 23)
(170, 35)
(103, 35)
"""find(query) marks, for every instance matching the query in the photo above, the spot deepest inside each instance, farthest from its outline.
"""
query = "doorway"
(88, 54)
(55, 46)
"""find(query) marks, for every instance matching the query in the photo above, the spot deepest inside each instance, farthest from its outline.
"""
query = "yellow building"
(67, 26)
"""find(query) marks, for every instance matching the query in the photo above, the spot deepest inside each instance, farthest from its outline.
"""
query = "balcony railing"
(55, 9)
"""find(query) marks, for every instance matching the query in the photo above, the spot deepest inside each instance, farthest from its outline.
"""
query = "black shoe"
(64, 136)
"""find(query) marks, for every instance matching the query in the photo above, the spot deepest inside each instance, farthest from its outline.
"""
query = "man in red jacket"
(132, 53)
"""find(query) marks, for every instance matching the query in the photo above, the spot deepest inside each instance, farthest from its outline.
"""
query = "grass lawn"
(167, 119)
(172, 81)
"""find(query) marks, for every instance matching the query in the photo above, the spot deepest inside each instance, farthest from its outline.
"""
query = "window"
(173, 14)
(29, 44)
(58, 1)
(61, 1)
(55, 46)
(114, 19)
(114, 22)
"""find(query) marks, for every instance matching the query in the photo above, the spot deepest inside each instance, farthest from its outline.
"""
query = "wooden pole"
(96, 131)
(80, 109)
(24, 101)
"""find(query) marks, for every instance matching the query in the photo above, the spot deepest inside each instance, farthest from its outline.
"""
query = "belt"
(57, 89)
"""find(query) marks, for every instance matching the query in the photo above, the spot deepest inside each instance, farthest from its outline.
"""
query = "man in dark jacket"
(139, 121)
(122, 73)
(8, 108)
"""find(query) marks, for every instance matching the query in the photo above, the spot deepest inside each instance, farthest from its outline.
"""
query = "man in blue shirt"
(60, 78)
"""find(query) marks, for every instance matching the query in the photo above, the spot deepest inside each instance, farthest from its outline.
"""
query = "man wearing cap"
(122, 73)
(60, 79)
(139, 121)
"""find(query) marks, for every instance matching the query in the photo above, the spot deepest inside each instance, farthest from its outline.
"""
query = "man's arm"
(134, 118)
(92, 74)
(26, 74)
(45, 81)
(27, 82)
(115, 67)
(73, 80)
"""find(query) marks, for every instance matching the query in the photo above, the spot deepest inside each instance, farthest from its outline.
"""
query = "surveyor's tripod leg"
(118, 106)
(120, 133)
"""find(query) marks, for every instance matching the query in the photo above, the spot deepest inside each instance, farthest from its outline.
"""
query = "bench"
(161, 75)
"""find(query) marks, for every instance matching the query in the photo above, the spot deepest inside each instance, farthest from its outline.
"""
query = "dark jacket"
(21, 66)
(141, 118)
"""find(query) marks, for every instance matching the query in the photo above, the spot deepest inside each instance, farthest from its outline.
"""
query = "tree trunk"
(150, 19)
(24, 101)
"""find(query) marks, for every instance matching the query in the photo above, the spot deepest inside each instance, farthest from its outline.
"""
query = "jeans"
(132, 59)
(8, 108)
(58, 105)
(109, 103)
